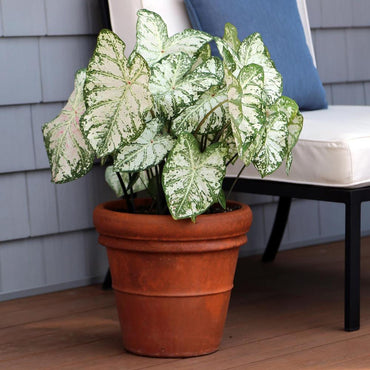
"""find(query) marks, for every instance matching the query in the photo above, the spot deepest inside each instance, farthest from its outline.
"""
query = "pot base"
(172, 326)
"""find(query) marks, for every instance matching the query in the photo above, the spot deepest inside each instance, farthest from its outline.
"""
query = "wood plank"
(288, 314)
(43, 307)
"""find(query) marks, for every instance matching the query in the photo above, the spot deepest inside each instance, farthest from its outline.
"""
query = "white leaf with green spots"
(146, 151)
(207, 115)
(252, 50)
(174, 86)
(295, 123)
(116, 95)
(274, 150)
(229, 55)
(70, 155)
(112, 180)
(247, 110)
(231, 36)
(153, 43)
(202, 55)
(192, 180)
(294, 127)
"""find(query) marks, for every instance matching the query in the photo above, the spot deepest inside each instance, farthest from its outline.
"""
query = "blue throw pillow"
(279, 23)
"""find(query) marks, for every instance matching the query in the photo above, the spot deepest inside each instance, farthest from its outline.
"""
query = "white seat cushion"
(333, 150)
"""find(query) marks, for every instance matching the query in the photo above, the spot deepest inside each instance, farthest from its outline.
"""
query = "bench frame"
(352, 199)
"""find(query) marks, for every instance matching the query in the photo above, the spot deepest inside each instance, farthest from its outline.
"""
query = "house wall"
(46, 236)
(47, 241)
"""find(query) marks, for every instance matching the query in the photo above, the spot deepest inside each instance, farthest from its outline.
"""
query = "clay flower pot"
(172, 279)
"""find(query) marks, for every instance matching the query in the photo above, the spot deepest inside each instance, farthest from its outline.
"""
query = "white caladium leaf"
(174, 86)
(192, 180)
(153, 43)
(274, 150)
(253, 50)
(295, 119)
(231, 36)
(69, 153)
(295, 123)
(116, 95)
(202, 55)
(112, 180)
(229, 55)
(146, 151)
(207, 115)
(247, 110)
(294, 128)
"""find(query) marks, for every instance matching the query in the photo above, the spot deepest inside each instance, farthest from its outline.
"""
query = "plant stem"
(232, 159)
(131, 189)
(160, 196)
(234, 182)
(129, 202)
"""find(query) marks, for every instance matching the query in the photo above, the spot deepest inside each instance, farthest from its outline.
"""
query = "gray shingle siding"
(46, 237)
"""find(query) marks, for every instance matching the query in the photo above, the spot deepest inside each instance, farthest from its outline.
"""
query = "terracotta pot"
(172, 279)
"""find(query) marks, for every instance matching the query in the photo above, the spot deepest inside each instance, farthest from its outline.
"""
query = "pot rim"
(163, 227)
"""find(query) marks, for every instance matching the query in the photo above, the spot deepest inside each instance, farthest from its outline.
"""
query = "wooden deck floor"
(284, 315)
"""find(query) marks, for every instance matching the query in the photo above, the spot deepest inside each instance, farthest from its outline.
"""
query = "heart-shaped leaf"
(153, 43)
(252, 50)
(116, 95)
(192, 180)
(295, 123)
(274, 150)
(247, 110)
(207, 114)
(69, 153)
(231, 36)
(146, 151)
(174, 86)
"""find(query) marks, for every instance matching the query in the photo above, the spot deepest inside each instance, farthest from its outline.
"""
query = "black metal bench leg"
(278, 229)
(352, 265)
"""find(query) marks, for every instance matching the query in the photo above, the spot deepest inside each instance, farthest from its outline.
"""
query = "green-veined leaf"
(192, 180)
(231, 36)
(153, 43)
(112, 180)
(70, 156)
(274, 150)
(229, 55)
(247, 110)
(208, 113)
(116, 95)
(146, 151)
(174, 86)
(295, 123)
(253, 50)
(294, 127)
(203, 54)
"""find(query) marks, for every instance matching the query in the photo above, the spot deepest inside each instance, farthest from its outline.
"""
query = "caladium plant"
(171, 117)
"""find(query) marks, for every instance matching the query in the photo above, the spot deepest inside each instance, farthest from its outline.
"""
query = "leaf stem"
(129, 202)
(219, 134)
(232, 159)
(235, 181)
